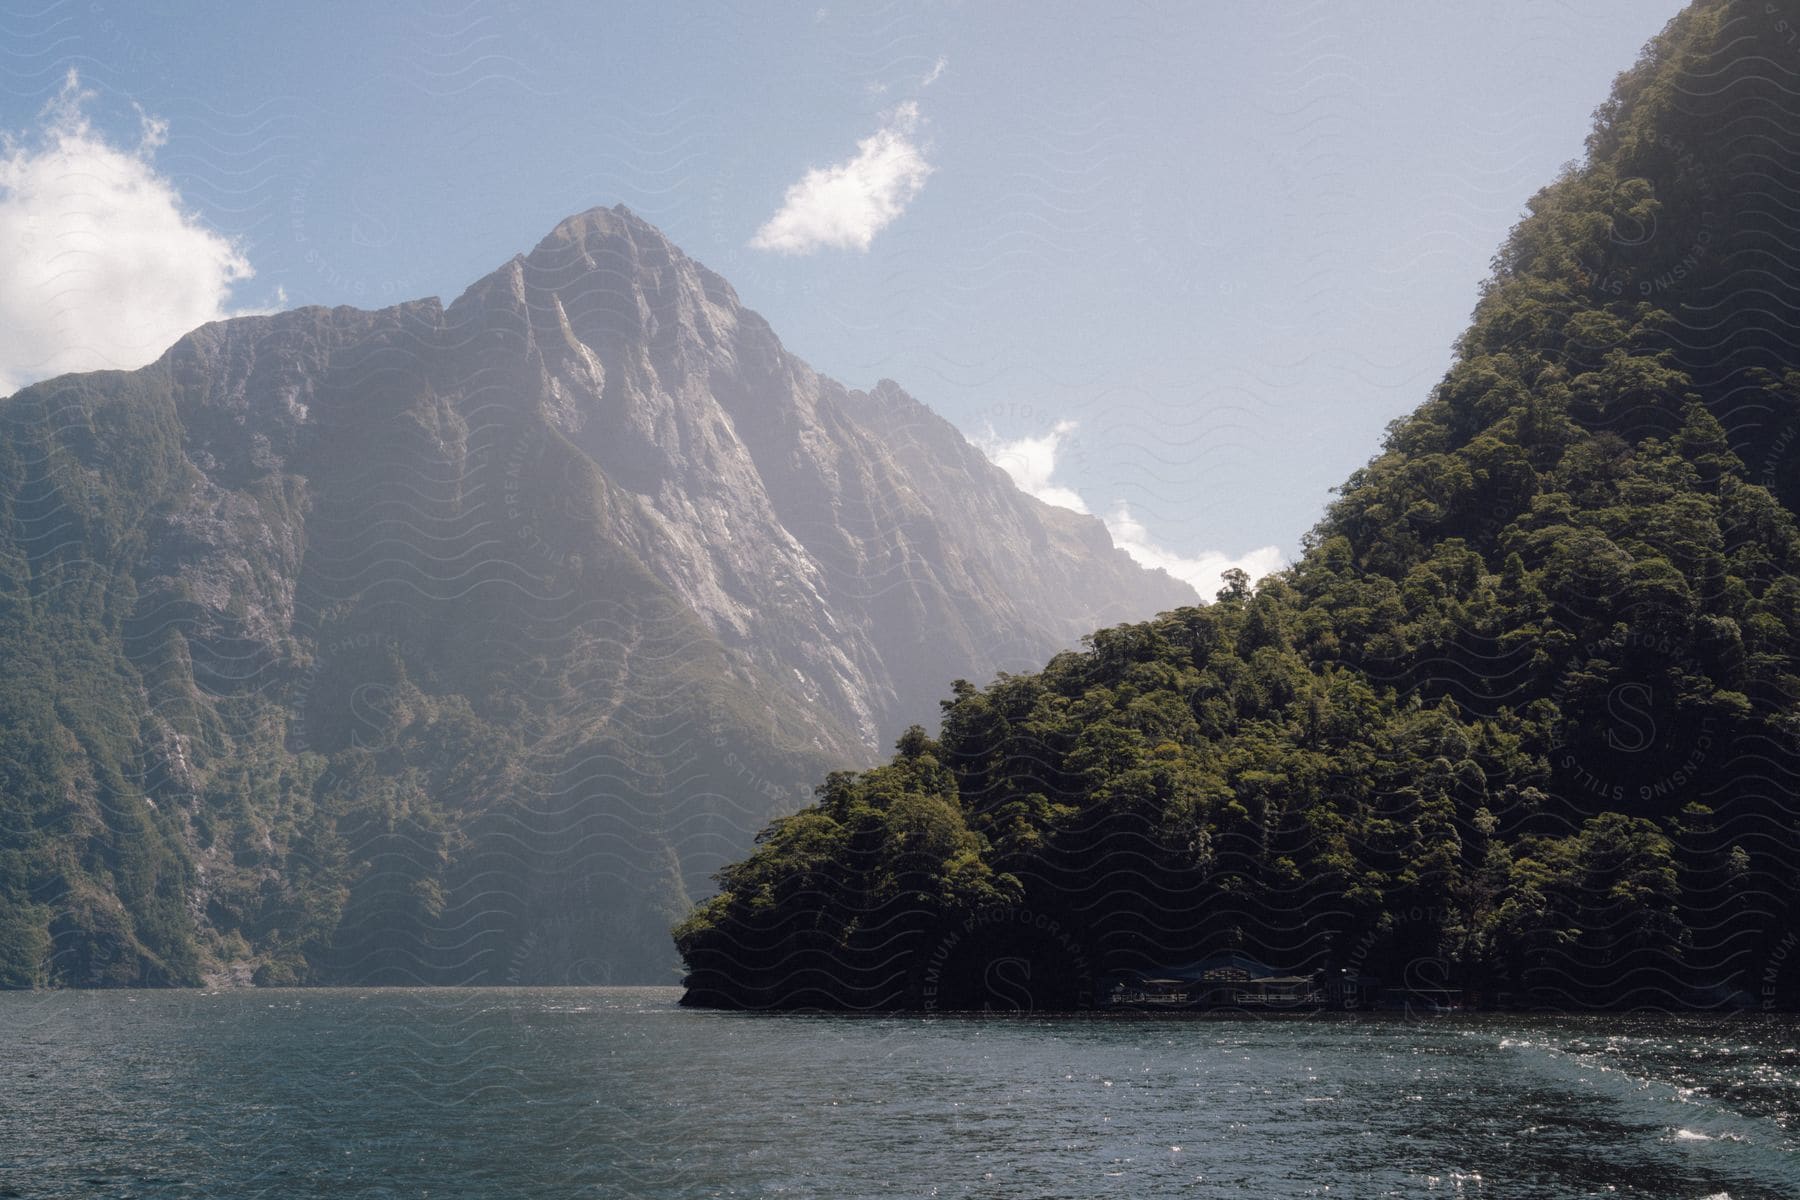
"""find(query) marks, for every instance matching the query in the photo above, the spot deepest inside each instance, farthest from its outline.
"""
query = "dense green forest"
(1521, 722)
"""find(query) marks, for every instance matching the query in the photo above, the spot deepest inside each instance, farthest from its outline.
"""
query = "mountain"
(464, 644)
(1521, 724)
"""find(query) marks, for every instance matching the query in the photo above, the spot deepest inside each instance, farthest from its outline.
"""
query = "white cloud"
(1032, 462)
(1203, 572)
(937, 71)
(846, 205)
(100, 265)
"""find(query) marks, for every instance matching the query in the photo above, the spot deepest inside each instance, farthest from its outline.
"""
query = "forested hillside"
(1522, 722)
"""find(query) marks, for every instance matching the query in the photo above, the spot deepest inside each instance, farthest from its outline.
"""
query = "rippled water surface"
(617, 1092)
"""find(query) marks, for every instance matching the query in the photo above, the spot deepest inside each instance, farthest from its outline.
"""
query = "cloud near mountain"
(1032, 462)
(101, 265)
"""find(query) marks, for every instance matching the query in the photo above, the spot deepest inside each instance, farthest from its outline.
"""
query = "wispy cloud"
(937, 71)
(1204, 572)
(845, 205)
(100, 264)
(1032, 464)
(1031, 461)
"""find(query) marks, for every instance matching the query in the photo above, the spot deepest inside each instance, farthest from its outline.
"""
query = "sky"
(1176, 264)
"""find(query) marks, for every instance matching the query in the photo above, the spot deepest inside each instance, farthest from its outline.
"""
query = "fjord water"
(617, 1092)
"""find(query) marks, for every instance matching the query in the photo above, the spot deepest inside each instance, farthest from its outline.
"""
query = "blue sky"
(1178, 263)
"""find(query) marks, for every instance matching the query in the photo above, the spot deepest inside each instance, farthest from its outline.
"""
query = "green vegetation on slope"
(1523, 719)
(373, 696)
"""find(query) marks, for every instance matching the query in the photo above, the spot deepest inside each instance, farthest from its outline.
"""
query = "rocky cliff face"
(852, 541)
(463, 644)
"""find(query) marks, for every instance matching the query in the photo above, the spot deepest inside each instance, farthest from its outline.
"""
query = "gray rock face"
(463, 645)
(853, 541)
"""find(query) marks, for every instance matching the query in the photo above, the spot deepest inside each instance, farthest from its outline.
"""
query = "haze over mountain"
(462, 644)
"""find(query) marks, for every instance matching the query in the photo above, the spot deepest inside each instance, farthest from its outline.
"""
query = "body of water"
(542, 1092)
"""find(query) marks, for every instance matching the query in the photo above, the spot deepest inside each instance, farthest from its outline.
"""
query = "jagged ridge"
(462, 645)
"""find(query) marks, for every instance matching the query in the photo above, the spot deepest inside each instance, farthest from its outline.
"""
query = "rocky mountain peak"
(587, 567)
